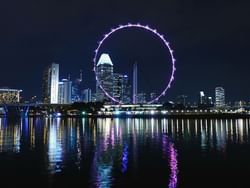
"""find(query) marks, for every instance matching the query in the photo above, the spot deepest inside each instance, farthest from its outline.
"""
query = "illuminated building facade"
(118, 85)
(202, 98)
(181, 100)
(87, 95)
(121, 88)
(50, 84)
(64, 94)
(219, 97)
(135, 87)
(205, 101)
(9, 96)
(126, 90)
(141, 98)
(77, 89)
(104, 73)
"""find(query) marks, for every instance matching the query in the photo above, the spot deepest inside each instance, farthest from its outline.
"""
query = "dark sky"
(210, 39)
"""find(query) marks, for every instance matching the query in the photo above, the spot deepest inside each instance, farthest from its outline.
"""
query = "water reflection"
(10, 136)
(119, 140)
(115, 151)
(125, 158)
(55, 145)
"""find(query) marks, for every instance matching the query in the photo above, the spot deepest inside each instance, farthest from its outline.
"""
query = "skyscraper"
(121, 88)
(135, 83)
(64, 94)
(117, 86)
(205, 101)
(126, 90)
(77, 89)
(219, 97)
(202, 98)
(141, 98)
(87, 95)
(104, 73)
(181, 100)
(50, 84)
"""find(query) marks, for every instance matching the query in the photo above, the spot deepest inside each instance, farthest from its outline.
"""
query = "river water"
(85, 152)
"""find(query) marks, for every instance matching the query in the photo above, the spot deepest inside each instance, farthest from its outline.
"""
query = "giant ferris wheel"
(155, 33)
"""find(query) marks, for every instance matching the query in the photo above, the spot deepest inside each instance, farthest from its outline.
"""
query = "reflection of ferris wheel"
(146, 28)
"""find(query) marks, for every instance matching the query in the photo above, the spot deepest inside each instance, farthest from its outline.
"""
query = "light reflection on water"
(114, 146)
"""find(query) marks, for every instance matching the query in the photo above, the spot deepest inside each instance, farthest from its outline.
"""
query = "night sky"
(210, 38)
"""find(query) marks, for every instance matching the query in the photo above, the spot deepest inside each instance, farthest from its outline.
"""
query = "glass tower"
(50, 84)
(64, 95)
(104, 73)
(121, 88)
(219, 97)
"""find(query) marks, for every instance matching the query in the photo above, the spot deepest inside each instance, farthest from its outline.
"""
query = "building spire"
(80, 75)
(135, 83)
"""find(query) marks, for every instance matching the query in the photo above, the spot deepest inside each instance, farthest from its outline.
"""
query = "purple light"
(154, 31)
(173, 167)
(125, 159)
(170, 151)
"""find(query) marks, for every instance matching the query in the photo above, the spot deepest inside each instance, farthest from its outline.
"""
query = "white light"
(164, 112)
(117, 112)
(105, 59)
(152, 112)
(129, 113)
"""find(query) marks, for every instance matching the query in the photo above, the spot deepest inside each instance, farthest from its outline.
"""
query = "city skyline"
(117, 88)
(127, 93)
(211, 50)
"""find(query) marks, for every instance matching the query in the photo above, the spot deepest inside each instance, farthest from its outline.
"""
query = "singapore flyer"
(168, 50)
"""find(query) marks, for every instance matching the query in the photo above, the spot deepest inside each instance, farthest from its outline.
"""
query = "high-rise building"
(141, 98)
(104, 73)
(64, 94)
(205, 101)
(93, 97)
(202, 98)
(126, 90)
(219, 97)
(121, 88)
(210, 101)
(117, 86)
(181, 100)
(50, 84)
(77, 89)
(9, 96)
(87, 95)
(135, 86)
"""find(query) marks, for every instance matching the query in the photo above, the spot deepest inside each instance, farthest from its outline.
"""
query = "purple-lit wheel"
(147, 28)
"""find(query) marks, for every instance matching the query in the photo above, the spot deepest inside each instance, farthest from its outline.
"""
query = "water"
(70, 152)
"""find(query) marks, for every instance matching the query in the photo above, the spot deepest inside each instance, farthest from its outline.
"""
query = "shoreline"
(146, 116)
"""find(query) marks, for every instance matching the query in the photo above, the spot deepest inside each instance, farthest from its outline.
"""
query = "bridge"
(23, 109)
